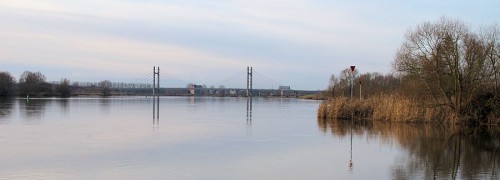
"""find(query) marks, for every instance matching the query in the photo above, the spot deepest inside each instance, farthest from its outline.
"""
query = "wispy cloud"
(286, 39)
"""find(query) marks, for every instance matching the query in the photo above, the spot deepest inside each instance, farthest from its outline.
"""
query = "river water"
(227, 138)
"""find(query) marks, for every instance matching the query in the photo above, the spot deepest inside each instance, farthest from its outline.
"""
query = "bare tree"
(490, 37)
(64, 88)
(7, 83)
(450, 60)
(333, 85)
(33, 83)
(105, 87)
(346, 76)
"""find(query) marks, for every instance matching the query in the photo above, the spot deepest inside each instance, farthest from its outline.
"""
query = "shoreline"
(393, 108)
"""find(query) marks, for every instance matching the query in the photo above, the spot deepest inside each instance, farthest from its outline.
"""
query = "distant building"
(196, 90)
(232, 92)
(284, 88)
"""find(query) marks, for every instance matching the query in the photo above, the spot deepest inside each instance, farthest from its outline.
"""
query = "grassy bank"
(313, 97)
(395, 109)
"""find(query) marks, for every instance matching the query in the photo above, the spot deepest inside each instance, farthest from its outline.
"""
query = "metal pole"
(351, 83)
(251, 82)
(248, 80)
(352, 79)
(158, 80)
(154, 76)
(154, 110)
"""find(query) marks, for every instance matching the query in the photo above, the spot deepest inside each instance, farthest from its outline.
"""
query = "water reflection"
(6, 105)
(105, 104)
(249, 116)
(350, 159)
(156, 111)
(249, 110)
(431, 152)
(194, 99)
(33, 108)
(64, 104)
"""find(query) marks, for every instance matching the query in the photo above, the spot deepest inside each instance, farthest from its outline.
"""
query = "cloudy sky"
(291, 42)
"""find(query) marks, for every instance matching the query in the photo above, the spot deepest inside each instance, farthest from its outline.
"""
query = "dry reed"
(385, 108)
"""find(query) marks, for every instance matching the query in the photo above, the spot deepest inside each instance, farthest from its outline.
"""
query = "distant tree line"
(364, 85)
(443, 66)
(34, 84)
(7, 84)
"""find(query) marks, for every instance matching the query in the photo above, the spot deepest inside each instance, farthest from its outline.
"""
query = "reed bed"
(384, 108)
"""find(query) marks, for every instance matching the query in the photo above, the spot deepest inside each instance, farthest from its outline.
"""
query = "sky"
(297, 43)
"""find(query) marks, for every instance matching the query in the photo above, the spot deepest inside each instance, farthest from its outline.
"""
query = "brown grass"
(313, 97)
(385, 108)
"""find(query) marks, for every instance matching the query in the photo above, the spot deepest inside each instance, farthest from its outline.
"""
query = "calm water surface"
(227, 138)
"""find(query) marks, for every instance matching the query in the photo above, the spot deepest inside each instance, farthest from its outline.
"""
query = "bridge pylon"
(249, 81)
(156, 81)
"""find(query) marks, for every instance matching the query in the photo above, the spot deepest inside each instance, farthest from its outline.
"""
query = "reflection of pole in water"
(156, 110)
(456, 157)
(350, 160)
(249, 110)
(249, 116)
(493, 174)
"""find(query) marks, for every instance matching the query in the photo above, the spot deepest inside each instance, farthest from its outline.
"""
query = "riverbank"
(74, 95)
(319, 96)
(395, 108)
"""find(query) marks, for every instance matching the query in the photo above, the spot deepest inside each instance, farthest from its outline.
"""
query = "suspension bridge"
(248, 83)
